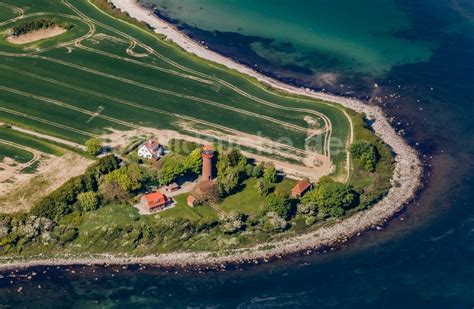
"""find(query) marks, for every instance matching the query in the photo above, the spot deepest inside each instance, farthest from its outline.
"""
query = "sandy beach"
(406, 179)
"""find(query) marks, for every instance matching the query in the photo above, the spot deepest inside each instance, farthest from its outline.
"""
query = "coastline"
(405, 182)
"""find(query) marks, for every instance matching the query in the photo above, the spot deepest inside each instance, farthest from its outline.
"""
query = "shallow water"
(422, 58)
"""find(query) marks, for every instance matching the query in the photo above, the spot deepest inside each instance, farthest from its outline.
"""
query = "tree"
(135, 173)
(331, 197)
(279, 205)
(206, 192)
(263, 187)
(228, 181)
(170, 170)
(270, 174)
(94, 146)
(366, 154)
(193, 162)
(88, 201)
(122, 178)
(112, 192)
(258, 170)
(105, 165)
(249, 170)
(231, 166)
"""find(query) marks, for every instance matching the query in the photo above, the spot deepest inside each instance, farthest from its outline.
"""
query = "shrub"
(274, 222)
(263, 187)
(88, 201)
(232, 222)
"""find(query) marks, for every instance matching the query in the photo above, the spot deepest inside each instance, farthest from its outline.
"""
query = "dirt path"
(121, 138)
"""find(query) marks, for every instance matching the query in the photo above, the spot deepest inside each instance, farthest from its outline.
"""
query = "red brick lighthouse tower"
(207, 155)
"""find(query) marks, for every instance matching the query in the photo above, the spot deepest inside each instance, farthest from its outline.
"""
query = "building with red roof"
(151, 150)
(300, 188)
(155, 201)
(191, 201)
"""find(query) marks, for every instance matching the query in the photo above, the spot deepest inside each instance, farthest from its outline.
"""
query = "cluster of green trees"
(366, 154)
(231, 170)
(328, 199)
(38, 24)
(64, 200)
(182, 147)
(118, 184)
(265, 183)
(173, 167)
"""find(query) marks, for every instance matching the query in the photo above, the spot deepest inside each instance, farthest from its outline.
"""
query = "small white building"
(151, 150)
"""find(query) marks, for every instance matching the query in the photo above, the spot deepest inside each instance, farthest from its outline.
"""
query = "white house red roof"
(152, 146)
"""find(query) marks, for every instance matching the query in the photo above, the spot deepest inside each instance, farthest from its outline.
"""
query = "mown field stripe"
(51, 123)
(172, 93)
(72, 107)
(124, 123)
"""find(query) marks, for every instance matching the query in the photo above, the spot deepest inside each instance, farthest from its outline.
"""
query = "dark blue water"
(423, 258)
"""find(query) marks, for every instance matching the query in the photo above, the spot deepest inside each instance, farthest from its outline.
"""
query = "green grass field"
(106, 73)
(30, 141)
(17, 154)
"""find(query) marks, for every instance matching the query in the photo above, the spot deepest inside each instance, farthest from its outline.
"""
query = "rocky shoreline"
(405, 182)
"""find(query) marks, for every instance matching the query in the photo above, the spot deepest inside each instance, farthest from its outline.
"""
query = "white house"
(151, 150)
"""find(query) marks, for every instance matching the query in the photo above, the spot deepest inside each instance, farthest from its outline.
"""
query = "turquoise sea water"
(356, 34)
(421, 55)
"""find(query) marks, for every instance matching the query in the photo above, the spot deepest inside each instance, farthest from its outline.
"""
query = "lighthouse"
(207, 155)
